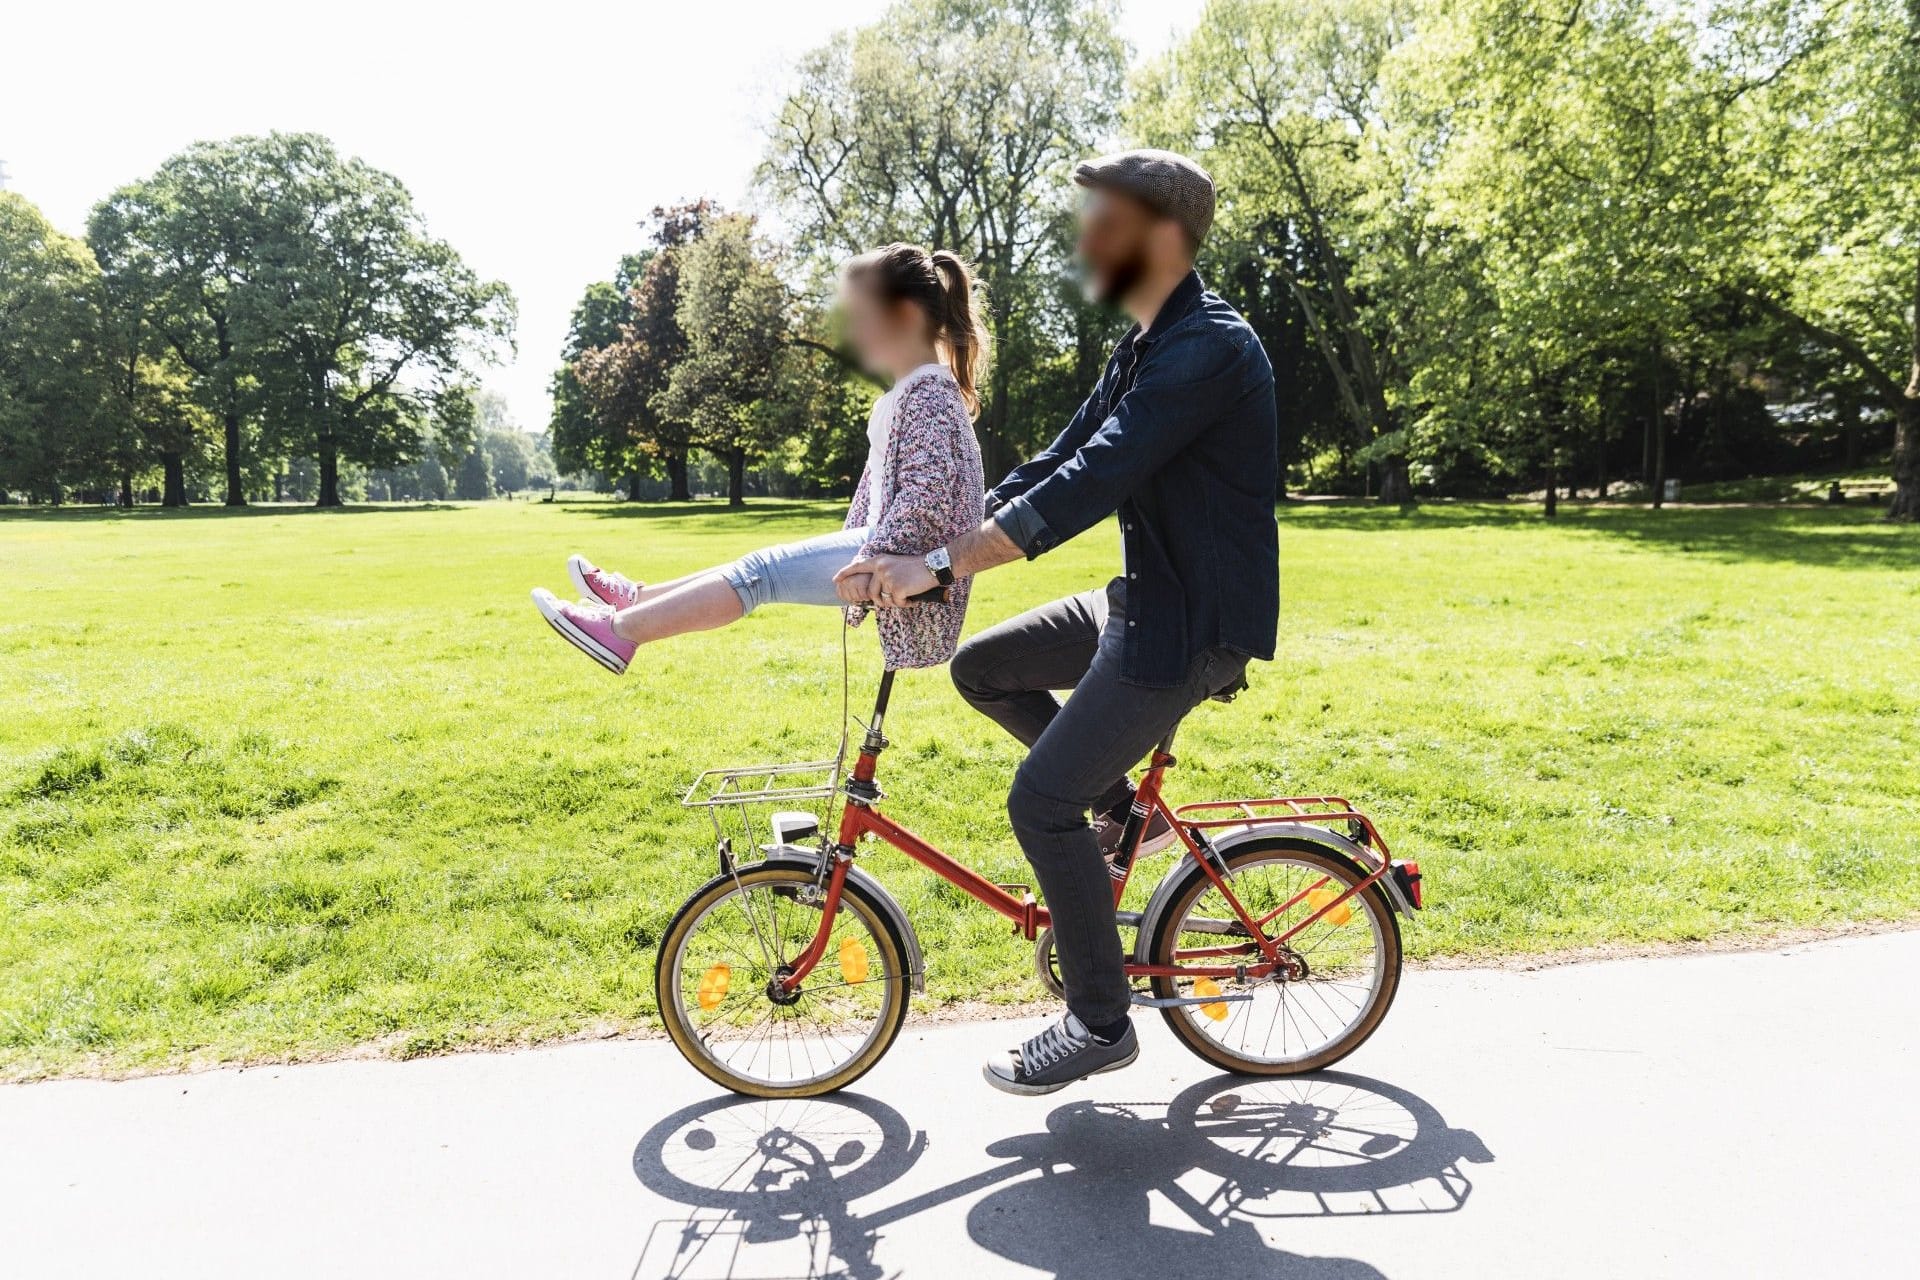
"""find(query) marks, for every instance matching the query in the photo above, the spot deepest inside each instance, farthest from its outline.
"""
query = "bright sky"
(533, 136)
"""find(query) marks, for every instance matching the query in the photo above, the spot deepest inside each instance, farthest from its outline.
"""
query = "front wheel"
(1340, 974)
(718, 984)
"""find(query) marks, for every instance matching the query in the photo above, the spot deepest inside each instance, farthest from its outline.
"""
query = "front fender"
(1275, 835)
(809, 860)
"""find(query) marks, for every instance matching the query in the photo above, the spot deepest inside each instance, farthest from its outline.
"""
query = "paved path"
(1730, 1115)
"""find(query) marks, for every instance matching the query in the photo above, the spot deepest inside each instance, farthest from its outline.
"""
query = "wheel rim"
(728, 958)
(1286, 1021)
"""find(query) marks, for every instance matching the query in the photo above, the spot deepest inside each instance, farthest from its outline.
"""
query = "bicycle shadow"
(1107, 1189)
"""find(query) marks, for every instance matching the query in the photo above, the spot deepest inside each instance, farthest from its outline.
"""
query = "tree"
(368, 322)
(735, 386)
(155, 416)
(186, 240)
(1285, 100)
(614, 417)
(585, 437)
(473, 479)
(54, 427)
(955, 123)
(1831, 152)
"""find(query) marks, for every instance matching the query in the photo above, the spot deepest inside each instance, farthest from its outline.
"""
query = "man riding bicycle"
(1179, 437)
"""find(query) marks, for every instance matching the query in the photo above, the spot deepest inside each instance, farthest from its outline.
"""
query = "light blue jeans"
(794, 572)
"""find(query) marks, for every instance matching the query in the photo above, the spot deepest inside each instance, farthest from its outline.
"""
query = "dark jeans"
(1080, 752)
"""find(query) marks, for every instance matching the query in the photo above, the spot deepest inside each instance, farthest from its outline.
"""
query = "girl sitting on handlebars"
(910, 318)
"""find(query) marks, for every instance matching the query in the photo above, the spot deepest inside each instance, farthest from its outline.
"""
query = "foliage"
(1515, 229)
(186, 242)
(54, 426)
(955, 124)
(610, 407)
(736, 385)
(368, 321)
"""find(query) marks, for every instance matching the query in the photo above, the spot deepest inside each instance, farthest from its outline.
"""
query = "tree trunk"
(737, 478)
(236, 484)
(633, 485)
(1553, 488)
(280, 484)
(329, 473)
(126, 489)
(174, 467)
(1906, 455)
(994, 449)
(1659, 458)
(1396, 482)
(677, 490)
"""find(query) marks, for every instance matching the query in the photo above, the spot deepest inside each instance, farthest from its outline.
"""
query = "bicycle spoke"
(727, 996)
(1341, 956)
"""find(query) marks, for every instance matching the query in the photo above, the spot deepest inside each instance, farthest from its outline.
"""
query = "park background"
(287, 766)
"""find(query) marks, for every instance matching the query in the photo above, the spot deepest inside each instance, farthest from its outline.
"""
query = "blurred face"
(1121, 240)
(888, 339)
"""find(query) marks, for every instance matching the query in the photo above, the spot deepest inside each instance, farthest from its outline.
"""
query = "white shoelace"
(1050, 1046)
(621, 585)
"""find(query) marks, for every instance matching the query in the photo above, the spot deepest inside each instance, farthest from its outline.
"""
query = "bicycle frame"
(861, 817)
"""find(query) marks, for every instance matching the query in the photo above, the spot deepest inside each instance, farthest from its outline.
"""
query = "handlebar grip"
(937, 595)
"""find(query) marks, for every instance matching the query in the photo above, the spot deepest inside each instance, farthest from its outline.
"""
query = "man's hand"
(893, 580)
(853, 584)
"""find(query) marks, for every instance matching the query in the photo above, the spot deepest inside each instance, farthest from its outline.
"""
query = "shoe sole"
(576, 637)
(1005, 1085)
(1155, 844)
(577, 566)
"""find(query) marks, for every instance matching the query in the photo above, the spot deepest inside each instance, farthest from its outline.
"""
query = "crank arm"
(1175, 1002)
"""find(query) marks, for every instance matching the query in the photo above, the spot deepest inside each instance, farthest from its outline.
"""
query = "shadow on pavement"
(1107, 1189)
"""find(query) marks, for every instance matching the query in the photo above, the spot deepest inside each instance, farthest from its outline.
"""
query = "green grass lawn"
(285, 782)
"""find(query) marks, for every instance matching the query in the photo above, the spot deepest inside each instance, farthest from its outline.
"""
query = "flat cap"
(1165, 181)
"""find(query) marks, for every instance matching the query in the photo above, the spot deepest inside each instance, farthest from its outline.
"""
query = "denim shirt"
(1179, 437)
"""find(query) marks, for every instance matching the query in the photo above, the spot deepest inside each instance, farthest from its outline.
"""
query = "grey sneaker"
(1109, 830)
(1054, 1059)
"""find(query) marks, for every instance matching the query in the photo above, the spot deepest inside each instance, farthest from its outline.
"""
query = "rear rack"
(1312, 811)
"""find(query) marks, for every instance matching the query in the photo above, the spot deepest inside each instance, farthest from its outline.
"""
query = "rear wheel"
(717, 982)
(1340, 972)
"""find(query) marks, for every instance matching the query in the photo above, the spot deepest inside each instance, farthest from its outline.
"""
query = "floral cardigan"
(935, 491)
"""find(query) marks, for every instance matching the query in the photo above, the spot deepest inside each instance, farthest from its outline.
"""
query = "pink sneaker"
(588, 627)
(604, 585)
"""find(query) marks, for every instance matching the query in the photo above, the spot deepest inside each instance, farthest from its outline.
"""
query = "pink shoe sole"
(549, 606)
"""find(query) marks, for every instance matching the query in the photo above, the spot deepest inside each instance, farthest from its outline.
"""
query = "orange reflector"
(1208, 987)
(1322, 896)
(713, 986)
(853, 960)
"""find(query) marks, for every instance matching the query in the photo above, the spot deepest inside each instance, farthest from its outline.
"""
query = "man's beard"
(1112, 288)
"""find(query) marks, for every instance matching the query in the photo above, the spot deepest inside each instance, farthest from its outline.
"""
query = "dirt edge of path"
(394, 1047)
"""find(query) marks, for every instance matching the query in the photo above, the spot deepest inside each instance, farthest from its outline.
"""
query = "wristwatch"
(940, 565)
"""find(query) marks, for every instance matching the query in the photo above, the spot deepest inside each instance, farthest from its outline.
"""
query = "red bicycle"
(1271, 946)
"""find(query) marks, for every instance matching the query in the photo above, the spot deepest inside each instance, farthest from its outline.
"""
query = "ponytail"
(959, 326)
(943, 287)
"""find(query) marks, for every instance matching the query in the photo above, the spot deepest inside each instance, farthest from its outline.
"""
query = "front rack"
(736, 789)
(762, 784)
